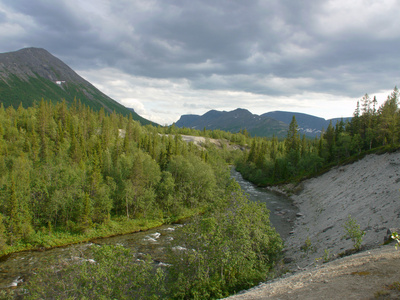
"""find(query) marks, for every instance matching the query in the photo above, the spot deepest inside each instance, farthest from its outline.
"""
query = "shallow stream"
(282, 211)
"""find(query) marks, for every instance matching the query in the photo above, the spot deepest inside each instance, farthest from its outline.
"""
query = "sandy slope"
(368, 190)
(364, 275)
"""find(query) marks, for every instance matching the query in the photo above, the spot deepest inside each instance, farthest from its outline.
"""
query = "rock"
(327, 228)
(288, 260)
(299, 215)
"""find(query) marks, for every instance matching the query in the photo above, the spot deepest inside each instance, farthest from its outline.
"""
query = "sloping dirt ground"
(373, 274)
(368, 191)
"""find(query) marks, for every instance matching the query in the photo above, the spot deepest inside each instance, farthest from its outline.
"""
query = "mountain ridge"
(268, 124)
(234, 121)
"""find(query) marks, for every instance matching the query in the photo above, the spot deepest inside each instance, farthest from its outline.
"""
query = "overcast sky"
(165, 58)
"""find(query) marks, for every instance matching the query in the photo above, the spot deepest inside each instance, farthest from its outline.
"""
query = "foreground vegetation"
(230, 248)
(371, 128)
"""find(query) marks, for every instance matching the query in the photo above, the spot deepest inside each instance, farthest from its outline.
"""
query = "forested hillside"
(72, 168)
(69, 174)
(271, 161)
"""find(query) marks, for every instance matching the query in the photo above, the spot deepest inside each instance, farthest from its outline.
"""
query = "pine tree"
(43, 152)
(19, 222)
(86, 217)
(3, 244)
(389, 118)
(329, 136)
(128, 135)
(253, 152)
(355, 121)
(292, 142)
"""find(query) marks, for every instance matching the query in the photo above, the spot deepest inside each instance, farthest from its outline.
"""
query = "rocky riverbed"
(368, 191)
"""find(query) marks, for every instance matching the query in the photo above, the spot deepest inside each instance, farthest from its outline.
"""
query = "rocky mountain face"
(268, 124)
(36, 62)
(33, 74)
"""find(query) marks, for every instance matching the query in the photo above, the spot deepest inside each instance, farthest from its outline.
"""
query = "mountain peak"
(33, 50)
(36, 62)
(241, 112)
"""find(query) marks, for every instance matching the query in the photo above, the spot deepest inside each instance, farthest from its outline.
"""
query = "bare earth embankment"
(368, 190)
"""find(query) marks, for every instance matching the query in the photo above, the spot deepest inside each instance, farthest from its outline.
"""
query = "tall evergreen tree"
(292, 142)
(389, 118)
(329, 136)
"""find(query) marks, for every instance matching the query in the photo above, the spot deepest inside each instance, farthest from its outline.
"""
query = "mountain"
(268, 124)
(31, 74)
(308, 124)
(234, 121)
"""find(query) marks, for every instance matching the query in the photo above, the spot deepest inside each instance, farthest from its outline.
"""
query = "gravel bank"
(368, 190)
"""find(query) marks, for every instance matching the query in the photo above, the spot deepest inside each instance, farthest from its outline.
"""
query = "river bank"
(368, 191)
(47, 239)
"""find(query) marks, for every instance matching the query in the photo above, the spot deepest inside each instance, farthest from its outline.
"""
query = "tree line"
(270, 161)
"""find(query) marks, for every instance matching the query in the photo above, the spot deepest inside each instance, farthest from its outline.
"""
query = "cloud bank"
(168, 58)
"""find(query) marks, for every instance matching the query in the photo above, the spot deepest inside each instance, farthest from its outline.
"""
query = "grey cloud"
(51, 15)
(263, 47)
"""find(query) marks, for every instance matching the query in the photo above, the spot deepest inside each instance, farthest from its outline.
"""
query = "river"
(282, 211)
(16, 267)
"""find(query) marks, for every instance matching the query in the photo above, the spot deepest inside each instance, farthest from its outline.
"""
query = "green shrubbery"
(227, 249)
(112, 273)
(354, 232)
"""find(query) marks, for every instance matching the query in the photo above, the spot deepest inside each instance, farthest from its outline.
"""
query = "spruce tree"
(292, 142)
(293, 138)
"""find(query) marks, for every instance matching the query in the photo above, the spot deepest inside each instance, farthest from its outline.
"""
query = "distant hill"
(308, 124)
(268, 124)
(234, 121)
(32, 74)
